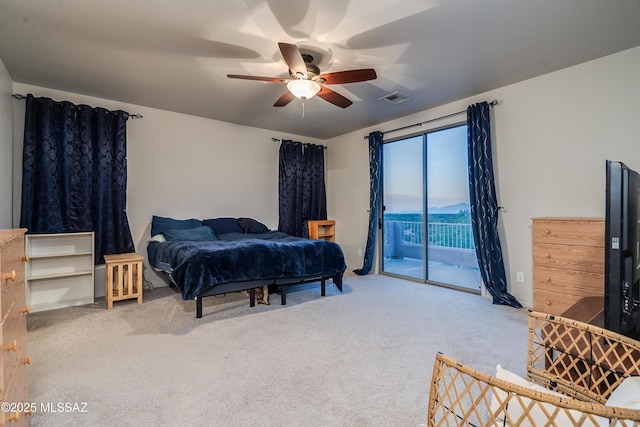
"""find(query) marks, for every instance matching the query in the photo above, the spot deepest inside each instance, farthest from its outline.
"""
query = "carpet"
(362, 357)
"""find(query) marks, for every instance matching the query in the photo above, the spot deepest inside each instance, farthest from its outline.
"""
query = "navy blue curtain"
(301, 187)
(484, 206)
(375, 158)
(74, 173)
(314, 196)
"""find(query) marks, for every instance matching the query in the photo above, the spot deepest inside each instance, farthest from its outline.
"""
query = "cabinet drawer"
(14, 365)
(553, 302)
(12, 264)
(17, 388)
(17, 392)
(580, 258)
(14, 340)
(579, 232)
(572, 282)
(12, 295)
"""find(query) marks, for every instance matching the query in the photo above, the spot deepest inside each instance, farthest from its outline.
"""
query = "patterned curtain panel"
(314, 195)
(74, 173)
(484, 207)
(301, 187)
(375, 158)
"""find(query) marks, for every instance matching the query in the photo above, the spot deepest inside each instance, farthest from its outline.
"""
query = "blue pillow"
(250, 225)
(223, 225)
(199, 234)
(161, 224)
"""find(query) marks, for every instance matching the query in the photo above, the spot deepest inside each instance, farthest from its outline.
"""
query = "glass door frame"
(381, 210)
(425, 201)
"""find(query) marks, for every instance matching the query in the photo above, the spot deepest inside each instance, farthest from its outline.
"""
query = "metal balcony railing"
(447, 235)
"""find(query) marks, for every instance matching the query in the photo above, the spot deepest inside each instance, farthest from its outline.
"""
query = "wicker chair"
(573, 368)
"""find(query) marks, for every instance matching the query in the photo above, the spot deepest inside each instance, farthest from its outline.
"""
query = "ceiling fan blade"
(286, 98)
(350, 76)
(264, 79)
(334, 97)
(293, 58)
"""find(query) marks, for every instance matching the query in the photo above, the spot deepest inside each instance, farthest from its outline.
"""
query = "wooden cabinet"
(322, 229)
(13, 322)
(568, 262)
(59, 271)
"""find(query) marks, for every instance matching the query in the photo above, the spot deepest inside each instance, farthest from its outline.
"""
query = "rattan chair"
(576, 367)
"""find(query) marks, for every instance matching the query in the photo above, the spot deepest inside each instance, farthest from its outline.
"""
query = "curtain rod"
(274, 139)
(133, 116)
(492, 103)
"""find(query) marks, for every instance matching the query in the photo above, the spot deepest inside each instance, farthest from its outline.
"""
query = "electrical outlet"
(520, 277)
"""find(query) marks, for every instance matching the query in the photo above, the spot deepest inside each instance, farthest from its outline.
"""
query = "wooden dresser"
(568, 262)
(14, 360)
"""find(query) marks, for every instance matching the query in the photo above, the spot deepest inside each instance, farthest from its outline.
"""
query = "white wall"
(6, 147)
(551, 138)
(183, 166)
(552, 135)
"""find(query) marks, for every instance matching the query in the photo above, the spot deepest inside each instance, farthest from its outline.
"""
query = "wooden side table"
(322, 229)
(124, 277)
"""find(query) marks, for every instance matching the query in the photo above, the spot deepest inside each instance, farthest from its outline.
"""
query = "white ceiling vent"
(394, 98)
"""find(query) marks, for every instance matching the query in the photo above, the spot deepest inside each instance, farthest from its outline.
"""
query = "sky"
(403, 179)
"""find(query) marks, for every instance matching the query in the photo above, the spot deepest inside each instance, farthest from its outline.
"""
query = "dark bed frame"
(251, 286)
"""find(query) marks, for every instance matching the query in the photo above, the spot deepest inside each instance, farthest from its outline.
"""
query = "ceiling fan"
(306, 80)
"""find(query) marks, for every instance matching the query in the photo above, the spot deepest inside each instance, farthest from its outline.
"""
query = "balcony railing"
(450, 243)
(447, 235)
(451, 254)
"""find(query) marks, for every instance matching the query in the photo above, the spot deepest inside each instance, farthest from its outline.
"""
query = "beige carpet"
(358, 358)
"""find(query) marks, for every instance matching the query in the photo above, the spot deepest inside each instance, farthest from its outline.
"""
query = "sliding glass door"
(429, 173)
(403, 183)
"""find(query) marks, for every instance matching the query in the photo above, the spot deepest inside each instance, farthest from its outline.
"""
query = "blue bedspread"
(196, 267)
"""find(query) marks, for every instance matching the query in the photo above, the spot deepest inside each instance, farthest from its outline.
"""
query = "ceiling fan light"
(303, 89)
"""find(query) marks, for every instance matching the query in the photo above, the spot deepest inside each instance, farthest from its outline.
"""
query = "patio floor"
(464, 277)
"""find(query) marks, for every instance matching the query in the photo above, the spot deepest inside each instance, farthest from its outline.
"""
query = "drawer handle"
(548, 302)
(27, 361)
(547, 231)
(13, 346)
(26, 309)
(25, 258)
(15, 416)
(10, 276)
(547, 255)
(547, 279)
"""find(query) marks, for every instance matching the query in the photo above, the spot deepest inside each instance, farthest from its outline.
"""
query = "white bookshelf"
(59, 271)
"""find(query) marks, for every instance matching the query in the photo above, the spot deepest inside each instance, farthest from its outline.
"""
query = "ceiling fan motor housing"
(312, 69)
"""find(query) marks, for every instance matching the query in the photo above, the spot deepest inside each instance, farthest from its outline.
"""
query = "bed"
(221, 255)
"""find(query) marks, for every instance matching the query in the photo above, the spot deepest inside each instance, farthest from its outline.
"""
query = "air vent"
(394, 98)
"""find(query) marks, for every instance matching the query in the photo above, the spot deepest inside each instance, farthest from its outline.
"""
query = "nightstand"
(123, 277)
(322, 229)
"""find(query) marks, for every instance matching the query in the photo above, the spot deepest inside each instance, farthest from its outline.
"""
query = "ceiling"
(175, 55)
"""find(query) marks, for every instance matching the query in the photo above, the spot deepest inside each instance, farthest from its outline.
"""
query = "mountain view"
(450, 209)
(460, 213)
